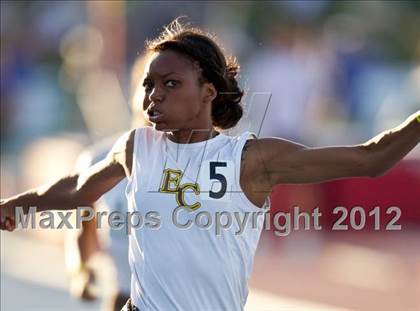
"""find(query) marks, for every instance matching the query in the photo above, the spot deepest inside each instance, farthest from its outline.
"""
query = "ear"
(210, 93)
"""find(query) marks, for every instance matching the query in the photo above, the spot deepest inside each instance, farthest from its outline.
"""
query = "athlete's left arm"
(281, 161)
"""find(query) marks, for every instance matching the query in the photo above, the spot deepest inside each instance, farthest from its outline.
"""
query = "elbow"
(78, 198)
(81, 196)
(82, 200)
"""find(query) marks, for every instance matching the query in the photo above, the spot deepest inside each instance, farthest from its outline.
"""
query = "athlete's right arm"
(80, 189)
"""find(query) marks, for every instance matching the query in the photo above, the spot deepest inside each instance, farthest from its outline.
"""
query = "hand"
(81, 284)
(7, 216)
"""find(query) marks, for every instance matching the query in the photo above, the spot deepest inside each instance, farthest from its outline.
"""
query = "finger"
(7, 224)
(11, 221)
(10, 224)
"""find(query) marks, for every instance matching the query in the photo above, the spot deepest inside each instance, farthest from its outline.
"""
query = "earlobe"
(211, 93)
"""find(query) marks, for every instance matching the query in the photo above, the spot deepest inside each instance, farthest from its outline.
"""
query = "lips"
(154, 115)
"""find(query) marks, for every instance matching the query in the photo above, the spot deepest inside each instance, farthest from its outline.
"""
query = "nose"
(156, 95)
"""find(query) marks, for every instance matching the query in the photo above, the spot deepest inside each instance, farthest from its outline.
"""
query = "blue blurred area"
(348, 59)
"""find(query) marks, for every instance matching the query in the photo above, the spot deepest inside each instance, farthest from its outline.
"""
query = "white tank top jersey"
(190, 268)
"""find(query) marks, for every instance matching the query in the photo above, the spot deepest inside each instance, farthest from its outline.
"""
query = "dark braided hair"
(215, 68)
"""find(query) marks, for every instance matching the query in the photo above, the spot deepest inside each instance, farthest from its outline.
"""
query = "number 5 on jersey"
(216, 180)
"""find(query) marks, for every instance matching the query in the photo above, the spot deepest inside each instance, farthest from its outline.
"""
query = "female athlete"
(183, 166)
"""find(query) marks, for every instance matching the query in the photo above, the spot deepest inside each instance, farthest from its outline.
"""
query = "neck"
(189, 136)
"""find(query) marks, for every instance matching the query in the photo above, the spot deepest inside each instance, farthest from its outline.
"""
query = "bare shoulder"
(260, 150)
(274, 145)
(254, 153)
(259, 158)
(253, 181)
(122, 151)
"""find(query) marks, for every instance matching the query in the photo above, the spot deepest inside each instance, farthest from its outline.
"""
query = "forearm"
(79, 250)
(389, 147)
(81, 245)
(87, 241)
(60, 195)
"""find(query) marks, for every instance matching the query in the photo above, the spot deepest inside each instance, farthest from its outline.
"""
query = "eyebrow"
(163, 75)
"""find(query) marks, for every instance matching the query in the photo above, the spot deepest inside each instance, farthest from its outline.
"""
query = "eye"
(148, 85)
(171, 83)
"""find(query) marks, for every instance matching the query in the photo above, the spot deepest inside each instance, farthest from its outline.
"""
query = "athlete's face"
(174, 97)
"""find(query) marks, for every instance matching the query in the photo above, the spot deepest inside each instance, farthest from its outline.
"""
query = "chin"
(162, 127)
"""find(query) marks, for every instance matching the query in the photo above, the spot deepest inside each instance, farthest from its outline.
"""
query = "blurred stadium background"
(338, 72)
